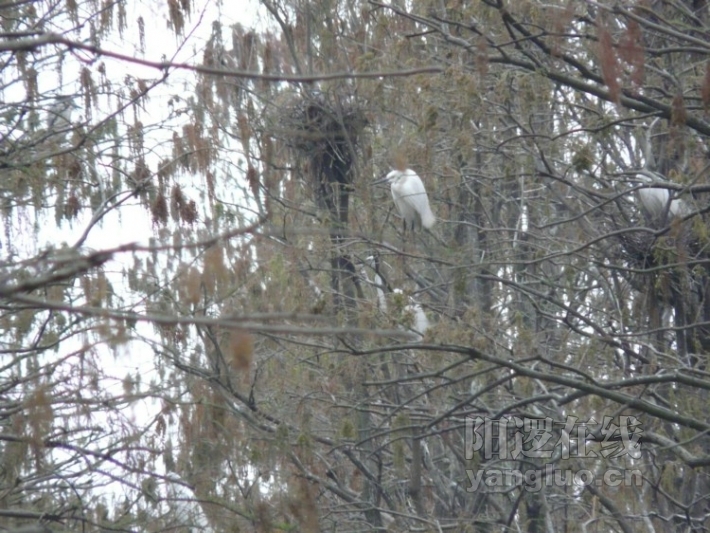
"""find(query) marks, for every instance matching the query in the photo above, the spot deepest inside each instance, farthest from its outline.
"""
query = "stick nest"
(317, 122)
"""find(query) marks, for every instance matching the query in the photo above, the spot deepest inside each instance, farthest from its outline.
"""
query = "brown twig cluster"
(318, 122)
(324, 129)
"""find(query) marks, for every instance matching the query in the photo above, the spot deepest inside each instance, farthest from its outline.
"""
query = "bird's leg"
(403, 249)
(404, 236)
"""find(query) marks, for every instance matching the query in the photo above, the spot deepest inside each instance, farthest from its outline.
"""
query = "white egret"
(414, 312)
(59, 114)
(410, 198)
(656, 201)
(59, 117)
(379, 283)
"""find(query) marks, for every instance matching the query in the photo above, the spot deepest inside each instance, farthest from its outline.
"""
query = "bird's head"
(391, 177)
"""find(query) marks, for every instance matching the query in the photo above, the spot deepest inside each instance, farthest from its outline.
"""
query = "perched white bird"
(379, 284)
(413, 312)
(410, 198)
(656, 200)
(59, 114)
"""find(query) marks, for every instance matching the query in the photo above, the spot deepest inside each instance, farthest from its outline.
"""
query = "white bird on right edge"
(656, 200)
(410, 198)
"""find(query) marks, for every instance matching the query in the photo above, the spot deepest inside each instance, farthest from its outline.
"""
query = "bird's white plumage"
(59, 115)
(655, 200)
(415, 316)
(378, 283)
(420, 324)
(411, 199)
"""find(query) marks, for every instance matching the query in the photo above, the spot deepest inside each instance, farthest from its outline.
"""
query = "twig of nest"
(315, 123)
(638, 247)
(325, 130)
